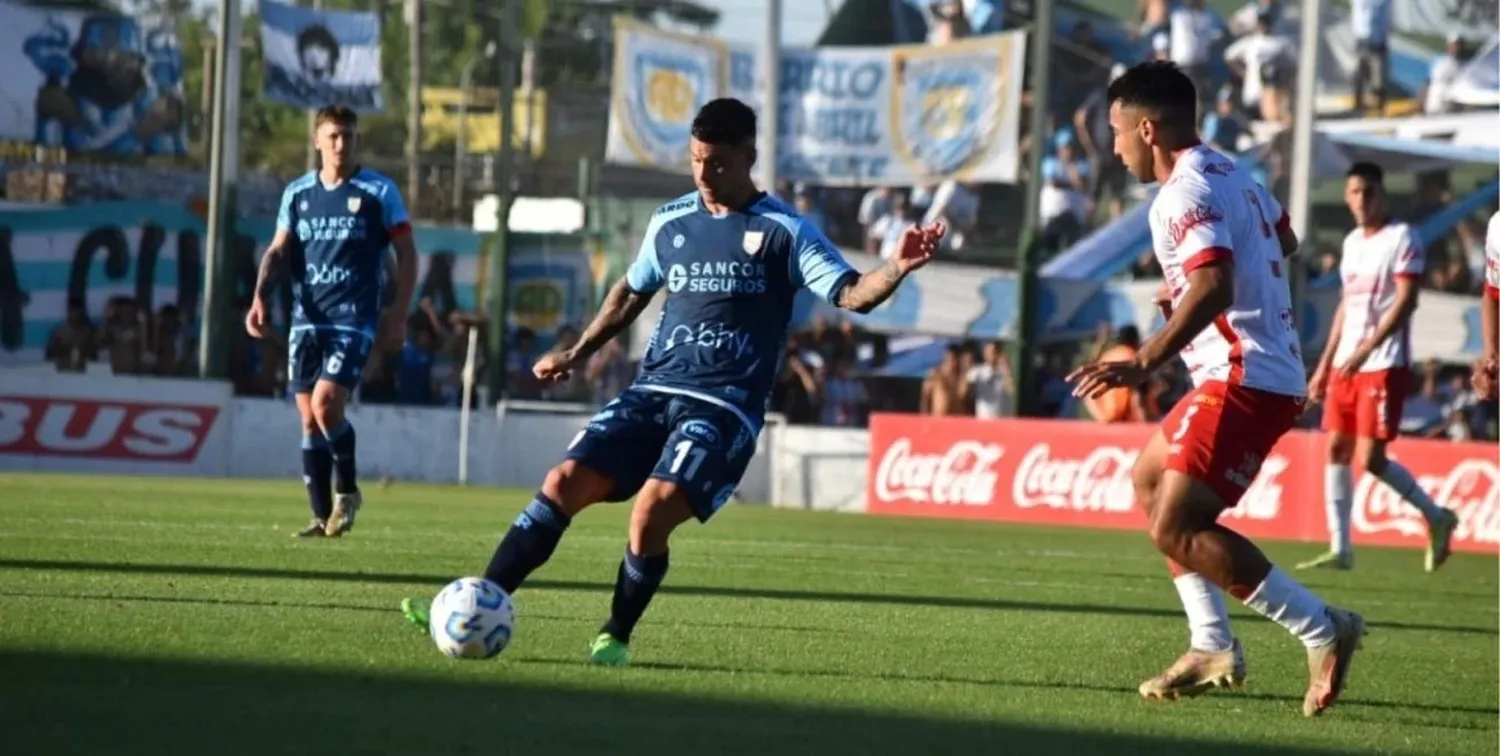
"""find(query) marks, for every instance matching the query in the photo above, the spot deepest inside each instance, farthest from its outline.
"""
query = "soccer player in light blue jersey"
(730, 258)
(332, 234)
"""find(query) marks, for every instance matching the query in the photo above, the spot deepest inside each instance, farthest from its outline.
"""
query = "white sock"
(1338, 500)
(1400, 479)
(1208, 618)
(1285, 602)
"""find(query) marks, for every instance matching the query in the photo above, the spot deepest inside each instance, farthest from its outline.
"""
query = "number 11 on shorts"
(684, 449)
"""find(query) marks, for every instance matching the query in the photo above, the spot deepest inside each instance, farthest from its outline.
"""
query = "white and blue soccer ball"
(472, 618)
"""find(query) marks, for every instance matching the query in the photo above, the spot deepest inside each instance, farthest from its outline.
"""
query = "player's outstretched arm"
(622, 305)
(916, 248)
(1209, 293)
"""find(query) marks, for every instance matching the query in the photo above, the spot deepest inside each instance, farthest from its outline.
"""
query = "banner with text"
(1067, 473)
(315, 58)
(153, 252)
(91, 81)
(869, 116)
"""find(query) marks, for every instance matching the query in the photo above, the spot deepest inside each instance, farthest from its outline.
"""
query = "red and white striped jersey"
(1370, 268)
(1208, 212)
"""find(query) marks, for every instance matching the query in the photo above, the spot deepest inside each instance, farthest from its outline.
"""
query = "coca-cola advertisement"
(1060, 472)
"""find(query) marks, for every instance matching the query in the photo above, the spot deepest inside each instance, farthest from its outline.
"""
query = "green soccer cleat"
(606, 651)
(1332, 560)
(415, 612)
(1440, 540)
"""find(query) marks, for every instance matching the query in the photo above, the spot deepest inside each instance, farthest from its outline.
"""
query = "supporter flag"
(318, 58)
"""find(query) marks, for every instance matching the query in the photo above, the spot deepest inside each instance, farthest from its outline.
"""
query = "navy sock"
(341, 443)
(528, 544)
(635, 584)
(317, 469)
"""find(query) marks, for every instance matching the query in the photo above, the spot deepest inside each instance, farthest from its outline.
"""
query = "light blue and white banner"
(153, 253)
(319, 58)
(868, 116)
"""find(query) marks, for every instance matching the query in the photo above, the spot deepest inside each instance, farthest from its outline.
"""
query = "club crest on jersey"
(752, 241)
(354, 203)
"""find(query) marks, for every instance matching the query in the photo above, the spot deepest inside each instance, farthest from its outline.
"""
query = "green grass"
(177, 617)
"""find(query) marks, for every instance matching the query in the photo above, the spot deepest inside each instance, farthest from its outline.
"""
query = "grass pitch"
(171, 617)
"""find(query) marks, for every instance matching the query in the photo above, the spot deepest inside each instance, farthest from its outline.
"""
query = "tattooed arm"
(871, 289)
(272, 267)
(622, 305)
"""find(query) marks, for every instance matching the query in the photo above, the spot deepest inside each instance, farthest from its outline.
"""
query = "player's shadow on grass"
(436, 581)
(61, 704)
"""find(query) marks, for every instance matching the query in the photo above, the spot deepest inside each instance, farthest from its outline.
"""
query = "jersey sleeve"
(1411, 259)
(284, 220)
(817, 264)
(393, 210)
(644, 275)
(1196, 226)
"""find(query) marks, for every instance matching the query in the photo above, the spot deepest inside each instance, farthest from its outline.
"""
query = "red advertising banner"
(1061, 472)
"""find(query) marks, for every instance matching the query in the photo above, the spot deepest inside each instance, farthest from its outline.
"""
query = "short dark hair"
(1129, 335)
(341, 115)
(1368, 171)
(724, 121)
(1162, 89)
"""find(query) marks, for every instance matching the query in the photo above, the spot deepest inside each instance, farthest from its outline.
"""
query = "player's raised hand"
(1095, 378)
(917, 246)
(255, 319)
(1486, 379)
(553, 366)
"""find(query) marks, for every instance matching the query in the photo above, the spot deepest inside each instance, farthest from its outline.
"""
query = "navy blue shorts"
(701, 447)
(325, 355)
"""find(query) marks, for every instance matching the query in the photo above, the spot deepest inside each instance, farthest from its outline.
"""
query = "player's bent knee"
(1340, 449)
(657, 512)
(574, 487)
(1369, 455)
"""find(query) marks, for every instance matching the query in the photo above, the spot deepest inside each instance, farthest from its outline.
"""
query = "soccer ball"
(472, 618)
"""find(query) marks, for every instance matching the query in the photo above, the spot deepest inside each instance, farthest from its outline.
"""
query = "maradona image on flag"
(319, 58)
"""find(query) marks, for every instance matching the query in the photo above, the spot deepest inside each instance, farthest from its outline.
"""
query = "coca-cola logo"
(1100, 482)
(1178, 228)
(964, 474)
(1262, 498)
(1471, 489)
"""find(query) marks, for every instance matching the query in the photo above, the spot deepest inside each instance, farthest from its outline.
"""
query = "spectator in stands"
(889, 228)
(991, 384)
(949, 22)
(1123, 404)
(413, 366)
(608, 372)
(796, 391)
(170, 342)
(519, 380)
(1223, 129)
(810, 212)
(956, 205)
(1371, 20)
(576, 387)
(71, 346)
(1091, 125)
(1161, 46)
(845, 402)
(1260, 61)
(1196, 33)
(1422, 415)
(946, 388)
(1064, 199)
(1151, 17)
(1441, 76)
(877, 203)
(124, 336)
(1463, 415)
(1250, 15)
